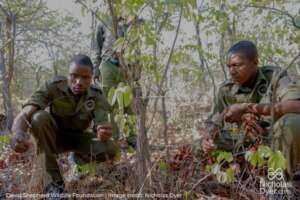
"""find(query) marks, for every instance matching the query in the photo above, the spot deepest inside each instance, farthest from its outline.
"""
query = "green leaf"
(227, 156)
(264, 151)
(254, 158)
(128, 96)
(131, 150)
(88, 168)
(111, 97)
(119, 43)
(277, 160)
(163, 165)
(230, 174)
(4, 139)
(120, 99)
(208, 168)
(187, 195)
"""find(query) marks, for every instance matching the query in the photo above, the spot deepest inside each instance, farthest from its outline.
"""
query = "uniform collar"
(91, 92)
(65, 88)
(261, 78)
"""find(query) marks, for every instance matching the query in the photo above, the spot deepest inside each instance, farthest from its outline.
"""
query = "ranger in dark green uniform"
(73, 104)
(248, 92)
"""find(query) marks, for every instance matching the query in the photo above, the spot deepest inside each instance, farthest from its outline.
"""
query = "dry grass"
(181, 173)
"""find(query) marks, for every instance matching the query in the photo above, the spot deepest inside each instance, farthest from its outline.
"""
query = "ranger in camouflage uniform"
(73, 104)
(107, 69)
(248, 92)
(106, 62)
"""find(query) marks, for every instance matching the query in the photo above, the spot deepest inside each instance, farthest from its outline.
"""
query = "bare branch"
(171, 52)
(114, 19)
(4, 10)
(276, 10)
(93, 12)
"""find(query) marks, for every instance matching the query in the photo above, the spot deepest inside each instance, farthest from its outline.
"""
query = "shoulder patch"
(225, 86)
(57, 79)
(268, 71)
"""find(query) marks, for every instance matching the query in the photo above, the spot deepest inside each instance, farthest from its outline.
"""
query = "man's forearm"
(22, 121)
(281, 108)
(20, 124)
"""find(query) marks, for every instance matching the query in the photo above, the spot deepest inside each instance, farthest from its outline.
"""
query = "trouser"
(111, 75)
(51, 141)
(285, 138)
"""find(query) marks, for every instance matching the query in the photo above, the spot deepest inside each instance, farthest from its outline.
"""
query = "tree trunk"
(55, 70)
(202, 59)
(10, 36)
(114, 19)
(143, 155)
(93, 30)
(222, 47)
(199, 43)
(37, 76)
(7, 103)
(165, 121)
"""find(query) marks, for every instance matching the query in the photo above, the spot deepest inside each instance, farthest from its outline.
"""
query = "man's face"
(241, 69)
(79, 79)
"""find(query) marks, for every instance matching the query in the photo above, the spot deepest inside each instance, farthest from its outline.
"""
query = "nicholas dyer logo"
(275, 183)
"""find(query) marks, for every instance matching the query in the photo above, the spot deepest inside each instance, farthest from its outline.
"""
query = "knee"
(40, 118)
(112, 149)
(111, 152)
(289, 122)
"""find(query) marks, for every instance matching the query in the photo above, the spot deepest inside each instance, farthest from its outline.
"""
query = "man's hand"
(104, 132)
(234, 112)
(21, 140)
(20, 143)
(208, 145)
(251, 126)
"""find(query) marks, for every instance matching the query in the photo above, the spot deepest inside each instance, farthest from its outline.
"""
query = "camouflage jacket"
(231, 93)
(104, 40)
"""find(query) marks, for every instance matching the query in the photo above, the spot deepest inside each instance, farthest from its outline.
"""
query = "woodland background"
(180, 56)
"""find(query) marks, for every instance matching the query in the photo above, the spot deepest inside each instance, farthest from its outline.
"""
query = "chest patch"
(262, 89)
(89, 105)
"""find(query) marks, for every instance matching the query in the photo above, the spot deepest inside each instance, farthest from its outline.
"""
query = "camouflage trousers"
(111, 75)
(51, 141)
(285, 138)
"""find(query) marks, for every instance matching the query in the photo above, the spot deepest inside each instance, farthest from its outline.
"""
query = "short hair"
(246, 48)
(81, 59)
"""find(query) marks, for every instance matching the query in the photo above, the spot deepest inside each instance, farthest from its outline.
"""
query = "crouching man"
(245, 100)
(73, 104)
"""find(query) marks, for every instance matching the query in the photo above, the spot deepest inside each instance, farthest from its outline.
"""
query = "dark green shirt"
(69, 111)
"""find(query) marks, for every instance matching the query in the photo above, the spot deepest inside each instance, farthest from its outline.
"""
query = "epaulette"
(226, 83)
(268, 71)
(269, 68)
(96, 88)
(57, 79)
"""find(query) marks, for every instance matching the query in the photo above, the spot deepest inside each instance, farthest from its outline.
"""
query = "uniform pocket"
(63, 107)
